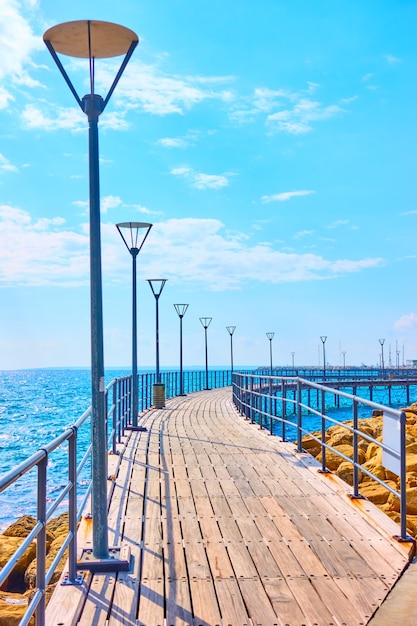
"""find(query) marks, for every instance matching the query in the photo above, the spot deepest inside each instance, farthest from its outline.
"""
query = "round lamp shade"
(105, 39)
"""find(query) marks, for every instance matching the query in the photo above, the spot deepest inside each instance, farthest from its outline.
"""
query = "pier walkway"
(228, 525)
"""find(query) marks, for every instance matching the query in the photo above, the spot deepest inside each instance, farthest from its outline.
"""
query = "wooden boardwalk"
(230, 526)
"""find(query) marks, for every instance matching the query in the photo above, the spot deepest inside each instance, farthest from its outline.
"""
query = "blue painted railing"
(75, 443)
(286, 405)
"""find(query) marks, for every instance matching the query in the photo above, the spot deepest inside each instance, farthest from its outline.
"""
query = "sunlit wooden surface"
(230, 526)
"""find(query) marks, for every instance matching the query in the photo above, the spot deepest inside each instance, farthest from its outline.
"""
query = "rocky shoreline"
(370, 457)
(16, 593)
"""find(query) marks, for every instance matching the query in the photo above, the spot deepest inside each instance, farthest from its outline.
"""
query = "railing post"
(324, 469)
(72, 507)
(114, 418)
(299, 417)
(403, 481)
(41, 540)
(251, 400)
(355, 451)
(284, 408)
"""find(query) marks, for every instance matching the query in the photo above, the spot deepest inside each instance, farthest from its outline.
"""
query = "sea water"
(38, 405)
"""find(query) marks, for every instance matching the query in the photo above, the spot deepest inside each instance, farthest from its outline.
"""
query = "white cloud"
(40, 252)
(413, 212)
(303, 233)
(199, 180)
(392, 59)
(109, 202)
(179, 142)
(338, 223)
(286, 111)
(148, 88)
(285, 195)
(6, 165)
(406, 322)
(17, 43)
(190, 250)
(172, 142)
(298, 119)
(72, 119)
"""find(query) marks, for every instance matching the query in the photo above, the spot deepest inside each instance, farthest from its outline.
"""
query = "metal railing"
(74, 444)
(287, 406)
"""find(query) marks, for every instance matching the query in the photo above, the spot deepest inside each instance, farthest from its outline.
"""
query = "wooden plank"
(204, 601)
(178, 603)
(311, 603)
(285, 605)
(340, 607)
(232, 606)
(151, 603)
(257, 603)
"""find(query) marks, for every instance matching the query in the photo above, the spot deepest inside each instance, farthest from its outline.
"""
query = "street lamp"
(231, 330)
(157, 285)
(344, 358)
(134, 238)
(181, 309)
(382, 341)
(323, 340)
(270, 337)
(292, 356)
(205, 321)
(93, 40)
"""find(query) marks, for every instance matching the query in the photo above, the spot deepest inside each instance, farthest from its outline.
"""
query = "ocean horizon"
(37, 405)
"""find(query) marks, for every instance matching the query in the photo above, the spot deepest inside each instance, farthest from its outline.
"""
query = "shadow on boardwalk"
(230, 526)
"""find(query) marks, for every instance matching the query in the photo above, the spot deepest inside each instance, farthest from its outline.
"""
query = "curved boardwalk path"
(230, 526)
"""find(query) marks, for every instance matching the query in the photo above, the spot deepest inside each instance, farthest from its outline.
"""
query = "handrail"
(118, 415)
(259, 396)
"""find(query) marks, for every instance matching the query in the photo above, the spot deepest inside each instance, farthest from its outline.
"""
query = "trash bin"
(159, 395)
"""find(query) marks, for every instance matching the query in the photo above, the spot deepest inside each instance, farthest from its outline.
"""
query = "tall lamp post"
(134, 235)
(323, 340)
(292, 356)
(205, 321)
(382, 341)
(231, 330)
(270, 337)
(93, 40)
(344, 358)
(157, 285)
(181, 310)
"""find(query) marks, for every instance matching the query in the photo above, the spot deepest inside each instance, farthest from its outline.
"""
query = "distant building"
(411, 363)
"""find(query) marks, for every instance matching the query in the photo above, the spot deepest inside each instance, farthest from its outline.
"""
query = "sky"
(271, 144)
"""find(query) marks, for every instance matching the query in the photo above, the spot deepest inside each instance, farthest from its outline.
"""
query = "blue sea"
(38, 405)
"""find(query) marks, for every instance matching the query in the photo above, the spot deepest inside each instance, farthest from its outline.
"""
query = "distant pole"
(270, 337)
(344, 358)
(181, 309)
(157, 285)
(231, 330)
(292, 356)
(205, 321)
(323, 340)
(382, 341)
(134, 235)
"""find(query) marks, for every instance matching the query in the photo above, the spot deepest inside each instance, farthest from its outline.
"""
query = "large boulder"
(370, 458)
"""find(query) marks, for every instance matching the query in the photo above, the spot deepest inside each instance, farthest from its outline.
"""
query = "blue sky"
(273, 147)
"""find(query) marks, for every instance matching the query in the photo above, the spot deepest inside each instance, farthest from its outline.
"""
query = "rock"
(333, 460)
(345, 472)
(370, 457)
(12, 608)
(375, 492)
(8, 546)
(30, 574)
